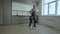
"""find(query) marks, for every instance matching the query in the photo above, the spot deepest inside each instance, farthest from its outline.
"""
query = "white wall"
(39, 9)
(53, 21)
(1, 11)
(57, 22)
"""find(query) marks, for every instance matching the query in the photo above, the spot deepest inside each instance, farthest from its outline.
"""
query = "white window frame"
(56, 1)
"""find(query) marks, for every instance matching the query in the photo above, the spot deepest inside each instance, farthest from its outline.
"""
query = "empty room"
(29, 16)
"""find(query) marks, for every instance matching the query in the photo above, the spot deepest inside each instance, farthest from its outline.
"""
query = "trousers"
(32, 18)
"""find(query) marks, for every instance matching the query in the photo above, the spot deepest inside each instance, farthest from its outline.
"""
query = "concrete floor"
(24, 29)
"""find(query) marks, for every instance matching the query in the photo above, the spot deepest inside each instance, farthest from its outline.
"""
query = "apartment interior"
(14, 16)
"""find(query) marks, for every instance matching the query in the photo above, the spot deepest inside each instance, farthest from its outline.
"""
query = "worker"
(33, 16)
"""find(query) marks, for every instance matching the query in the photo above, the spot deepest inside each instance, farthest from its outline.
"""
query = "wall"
(7, 12)
(39, 9)
(49, 20)
(57, 22)
(1, 11)
(53, 21)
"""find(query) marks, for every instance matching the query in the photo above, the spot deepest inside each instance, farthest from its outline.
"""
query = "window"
(21, 9)
(19, 12)
(46, 1)
(42, 11)
(58, 8)
(46, 9)
(51, 0)
(42, 8)
(14, 12)
(52, 8)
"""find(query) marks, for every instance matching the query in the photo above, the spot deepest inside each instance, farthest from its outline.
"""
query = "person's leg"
(37, 18)
(30, 21)
(34, 23)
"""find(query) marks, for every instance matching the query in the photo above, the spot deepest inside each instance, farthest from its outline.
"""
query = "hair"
(33, 5)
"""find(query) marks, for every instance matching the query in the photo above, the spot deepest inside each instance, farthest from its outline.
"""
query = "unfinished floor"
(24, 29)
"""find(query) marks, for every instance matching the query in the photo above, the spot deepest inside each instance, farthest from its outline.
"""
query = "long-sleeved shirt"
(33, 10)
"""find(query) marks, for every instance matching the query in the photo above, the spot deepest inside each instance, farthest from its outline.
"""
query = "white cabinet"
(20, 19)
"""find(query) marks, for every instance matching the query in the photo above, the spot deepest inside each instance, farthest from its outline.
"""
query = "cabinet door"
(25, 19)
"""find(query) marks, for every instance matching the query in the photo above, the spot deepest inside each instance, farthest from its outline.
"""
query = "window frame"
(56, 1)
(54, 8)
(57, 8)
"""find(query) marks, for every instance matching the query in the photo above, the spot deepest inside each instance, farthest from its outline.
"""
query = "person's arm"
(30, 11)
(37, 11)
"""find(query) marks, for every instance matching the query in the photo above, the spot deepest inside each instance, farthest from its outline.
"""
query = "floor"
(24, 29)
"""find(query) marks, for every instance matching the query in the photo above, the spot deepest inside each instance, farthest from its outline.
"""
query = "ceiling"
(25, 1)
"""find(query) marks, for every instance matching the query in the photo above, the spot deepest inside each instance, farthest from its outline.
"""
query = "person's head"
(33, 6)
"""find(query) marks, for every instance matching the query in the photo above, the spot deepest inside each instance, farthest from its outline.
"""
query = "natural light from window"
(58, 8)
(51, 7)
(46, 9)
(21, 9)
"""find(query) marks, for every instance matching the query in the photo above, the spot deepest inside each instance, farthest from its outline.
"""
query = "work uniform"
(33, 17)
